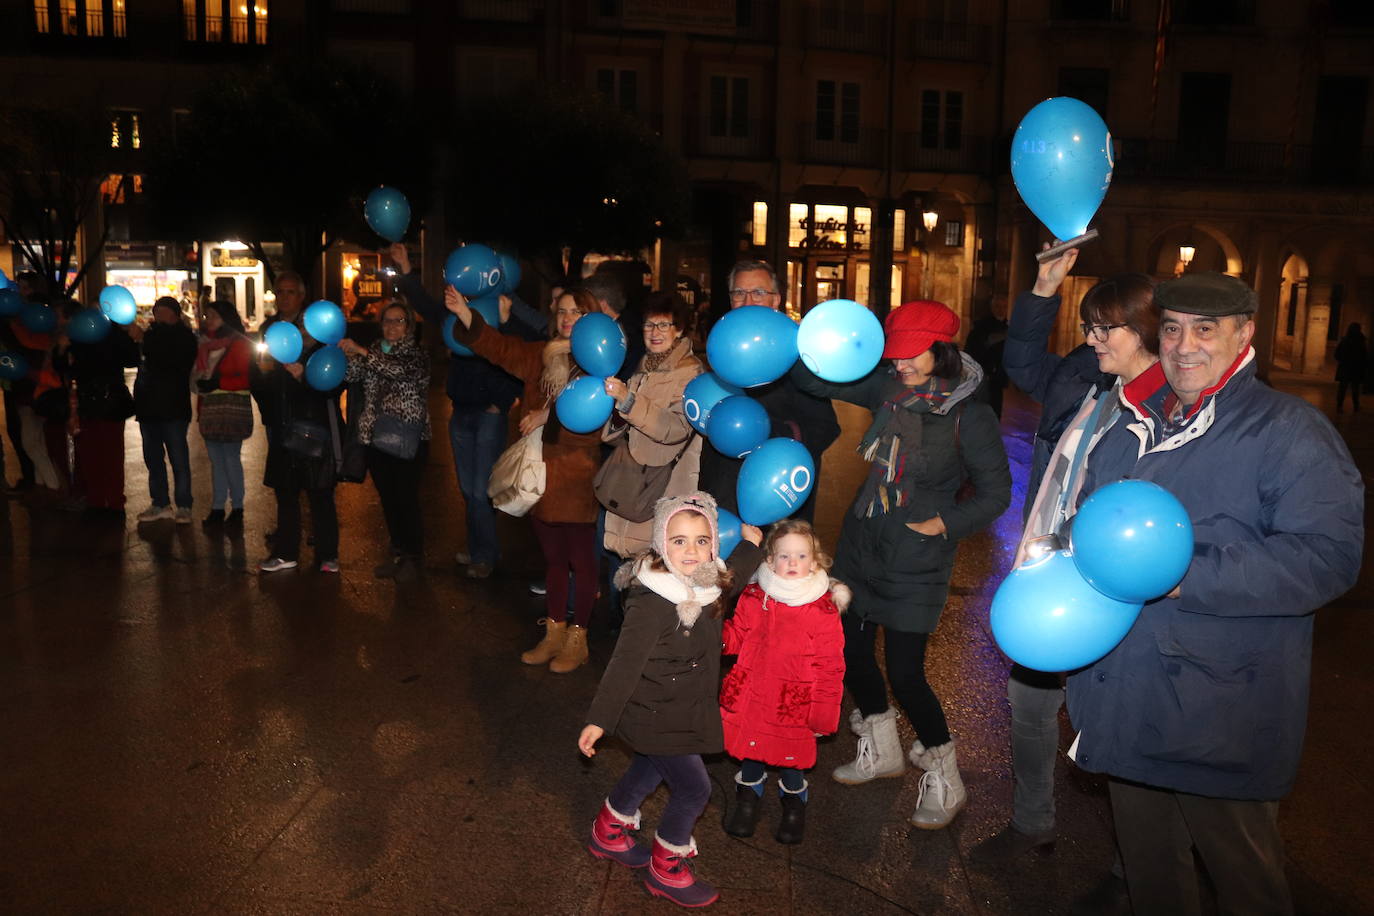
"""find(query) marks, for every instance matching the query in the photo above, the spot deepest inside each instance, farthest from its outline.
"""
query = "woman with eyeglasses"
(648, 428)
(1080, 394)
(394, 427)
(564, 518)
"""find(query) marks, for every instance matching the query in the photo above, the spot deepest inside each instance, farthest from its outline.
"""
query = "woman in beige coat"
(648, 420)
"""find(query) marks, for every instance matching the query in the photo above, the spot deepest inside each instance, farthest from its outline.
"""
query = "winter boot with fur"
(942, 789)
(879, 754)
(744, 816)
(670, 876)
(573, 655)
(792, 826)
(555, 634)
(611, 838)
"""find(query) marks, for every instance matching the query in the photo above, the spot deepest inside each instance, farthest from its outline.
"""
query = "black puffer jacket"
(97, 369)
(162, 390)
(294, 401)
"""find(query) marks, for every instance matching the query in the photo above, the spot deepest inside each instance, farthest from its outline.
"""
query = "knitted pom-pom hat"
(703, 504)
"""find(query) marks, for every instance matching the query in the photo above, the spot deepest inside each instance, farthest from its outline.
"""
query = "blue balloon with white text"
(840, 340)
(584, 406)
(701, 396)
(1062, 162)
(774, 481)
(13, 365)
(474, 270)
(118, 305)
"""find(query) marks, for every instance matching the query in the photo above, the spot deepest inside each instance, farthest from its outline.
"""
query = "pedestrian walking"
(1351, 355)
(224, 407)
(658, 694)
(787, 685)
(162, 405)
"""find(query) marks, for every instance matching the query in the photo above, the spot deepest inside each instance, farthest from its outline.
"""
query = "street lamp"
(1185, 254)
(928, 219)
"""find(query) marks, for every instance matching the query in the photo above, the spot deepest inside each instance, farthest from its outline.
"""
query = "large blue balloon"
(284, 341)
(11, 303)
(840, 340)
(13, 365)
(727, 525)
(473, 270)
(88, 326)
(598, 344)
(774, 480)
(510, 273)
(1046, 617)
(450, 321)
(584, 405)
(752, 345)
(118, 305)
(325, 368)
(489, 306)
(739, 424)
(388, 213)
(701, 396)
(1132, 540)
(1061, 161)
(325, 322)
(38, 318)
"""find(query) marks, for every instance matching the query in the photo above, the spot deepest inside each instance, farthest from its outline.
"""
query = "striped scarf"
(892, 446)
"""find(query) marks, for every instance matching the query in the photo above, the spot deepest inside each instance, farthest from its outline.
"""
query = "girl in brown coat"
(565, 516)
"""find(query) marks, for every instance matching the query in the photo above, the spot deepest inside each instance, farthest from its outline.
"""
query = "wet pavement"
(182, 735)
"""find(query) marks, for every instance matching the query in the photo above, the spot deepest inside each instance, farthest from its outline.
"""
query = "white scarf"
(794, 592)
(686, 598)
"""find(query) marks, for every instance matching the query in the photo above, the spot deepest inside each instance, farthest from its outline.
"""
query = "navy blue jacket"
(1207, 694)
(473, 383)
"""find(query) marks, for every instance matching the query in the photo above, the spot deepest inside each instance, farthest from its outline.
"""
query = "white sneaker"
(276, 564)
(155, 513)
(183, 515)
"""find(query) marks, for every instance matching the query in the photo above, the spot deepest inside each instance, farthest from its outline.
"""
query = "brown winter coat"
(656, 433)
(570, 459)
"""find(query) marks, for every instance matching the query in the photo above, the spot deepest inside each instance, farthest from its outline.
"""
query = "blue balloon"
(284, 341)
(752, 345)
(4, 280)
(701, 396)
(13, 365)
(727, 525)
(388, 213)
(584, 406)
(510, 273)
(11, 303)
(739, 424)
(38, 318)
(118, 305)
(1046, 617)
(774, 480)
(840, 340)
(450, 321)
(326, 322)
(1061, 161)
(88, 326)
(473, 270)
(598, 344)
(489, 306)
(325, 368)
(1132, 540)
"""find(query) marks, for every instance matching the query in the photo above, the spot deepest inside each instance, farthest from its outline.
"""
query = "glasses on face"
(657, 325)
(398, 319)
(1098, 332)
(746, 295)
(287, 291)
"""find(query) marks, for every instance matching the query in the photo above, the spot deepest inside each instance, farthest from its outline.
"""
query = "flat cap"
(1207, 293)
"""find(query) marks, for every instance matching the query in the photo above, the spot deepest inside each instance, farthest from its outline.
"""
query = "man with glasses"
(792, 414)
(290, 291)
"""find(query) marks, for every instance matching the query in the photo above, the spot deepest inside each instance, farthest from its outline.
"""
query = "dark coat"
(659, 691)
(162, 390)
(1351, 354)
(97, 369)
(1207, 694)
(900, 578)
(293, 400)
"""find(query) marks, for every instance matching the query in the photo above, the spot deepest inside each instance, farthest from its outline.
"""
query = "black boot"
(792, 826)
(214, 519)
(744, 815)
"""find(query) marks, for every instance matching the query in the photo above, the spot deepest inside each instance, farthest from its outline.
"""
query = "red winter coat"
(786, 686)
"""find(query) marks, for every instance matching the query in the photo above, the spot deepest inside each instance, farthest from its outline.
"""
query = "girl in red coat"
(786, 687)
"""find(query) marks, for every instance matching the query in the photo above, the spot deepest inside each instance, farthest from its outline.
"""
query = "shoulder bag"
(628, 488)
(519, 476)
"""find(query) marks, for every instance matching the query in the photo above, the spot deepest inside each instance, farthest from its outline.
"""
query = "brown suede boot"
(573, 654)
(555, 634)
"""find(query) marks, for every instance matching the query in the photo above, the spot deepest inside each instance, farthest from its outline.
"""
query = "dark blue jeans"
(167, 436)
(689, 789)
(477, 437)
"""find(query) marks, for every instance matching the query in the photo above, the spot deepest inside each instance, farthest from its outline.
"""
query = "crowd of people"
(1196, 717)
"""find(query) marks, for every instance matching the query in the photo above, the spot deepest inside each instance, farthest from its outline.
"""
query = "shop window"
(620, 86)
(942, 119)
(863, 288)
(728, 99)
(124, 130)
(760, 227)
(837, 111)
(954, 233)
(797, 225)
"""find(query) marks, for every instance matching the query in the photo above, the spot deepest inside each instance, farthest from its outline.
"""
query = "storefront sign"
(828, 228)
(224, 257)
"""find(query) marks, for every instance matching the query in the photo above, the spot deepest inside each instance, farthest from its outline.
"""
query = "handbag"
(396, 437)
(306, 438)
(104, 401)
(226, 417)
(352, 464)
(519, 476)
(628, 488)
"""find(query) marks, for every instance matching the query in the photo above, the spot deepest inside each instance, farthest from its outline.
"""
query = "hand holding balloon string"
(617, 390)
(1051, 274)
(457, 303)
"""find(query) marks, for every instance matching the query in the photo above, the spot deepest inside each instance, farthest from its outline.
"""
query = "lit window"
(238, 22)
(124, 130)
(41, 22)
(214, 20)
(119, 30)
(133, 132)
(260, 22)
(898, 230)
(188, 11)
(115, 133)
(71, 25)
(112, 189)
(831, 222)
(797, 225)
(95, 19)
(760, 223)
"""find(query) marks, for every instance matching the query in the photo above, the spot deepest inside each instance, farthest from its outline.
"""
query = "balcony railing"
(935, 39)
(838, 30)
(1257, 162)
(970, 156)
(864, 149)
(713, 139)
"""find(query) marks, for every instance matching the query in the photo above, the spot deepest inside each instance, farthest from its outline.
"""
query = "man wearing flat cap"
(1198, 715)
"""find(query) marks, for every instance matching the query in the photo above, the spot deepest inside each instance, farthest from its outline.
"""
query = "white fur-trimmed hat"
(702, 503)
